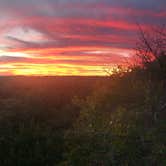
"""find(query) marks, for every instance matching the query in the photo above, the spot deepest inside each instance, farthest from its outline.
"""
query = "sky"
(72, 37)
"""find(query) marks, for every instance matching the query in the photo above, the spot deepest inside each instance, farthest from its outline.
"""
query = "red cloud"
(77, 40)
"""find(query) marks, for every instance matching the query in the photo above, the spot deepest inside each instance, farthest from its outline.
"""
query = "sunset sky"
(72, 37)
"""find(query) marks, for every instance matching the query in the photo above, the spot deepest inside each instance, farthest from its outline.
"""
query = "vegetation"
(75, 121)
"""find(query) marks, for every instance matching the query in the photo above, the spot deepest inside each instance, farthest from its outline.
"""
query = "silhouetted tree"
(151, 48)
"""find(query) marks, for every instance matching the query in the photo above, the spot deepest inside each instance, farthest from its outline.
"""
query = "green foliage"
(121, 123)
(130, 132)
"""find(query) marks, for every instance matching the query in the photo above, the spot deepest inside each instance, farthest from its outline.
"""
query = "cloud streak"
(86, 33)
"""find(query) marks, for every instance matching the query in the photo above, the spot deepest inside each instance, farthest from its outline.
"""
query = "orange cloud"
(70, 39)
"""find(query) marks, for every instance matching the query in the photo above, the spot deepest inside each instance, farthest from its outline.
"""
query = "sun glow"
(52, 70)
(61, 61)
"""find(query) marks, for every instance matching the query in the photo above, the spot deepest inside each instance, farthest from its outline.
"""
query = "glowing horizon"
(71, 37)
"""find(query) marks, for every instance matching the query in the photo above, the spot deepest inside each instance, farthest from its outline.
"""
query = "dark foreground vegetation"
(118, 120)
(86, 121)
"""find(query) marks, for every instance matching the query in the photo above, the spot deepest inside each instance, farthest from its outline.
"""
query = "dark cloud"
(4, 59)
